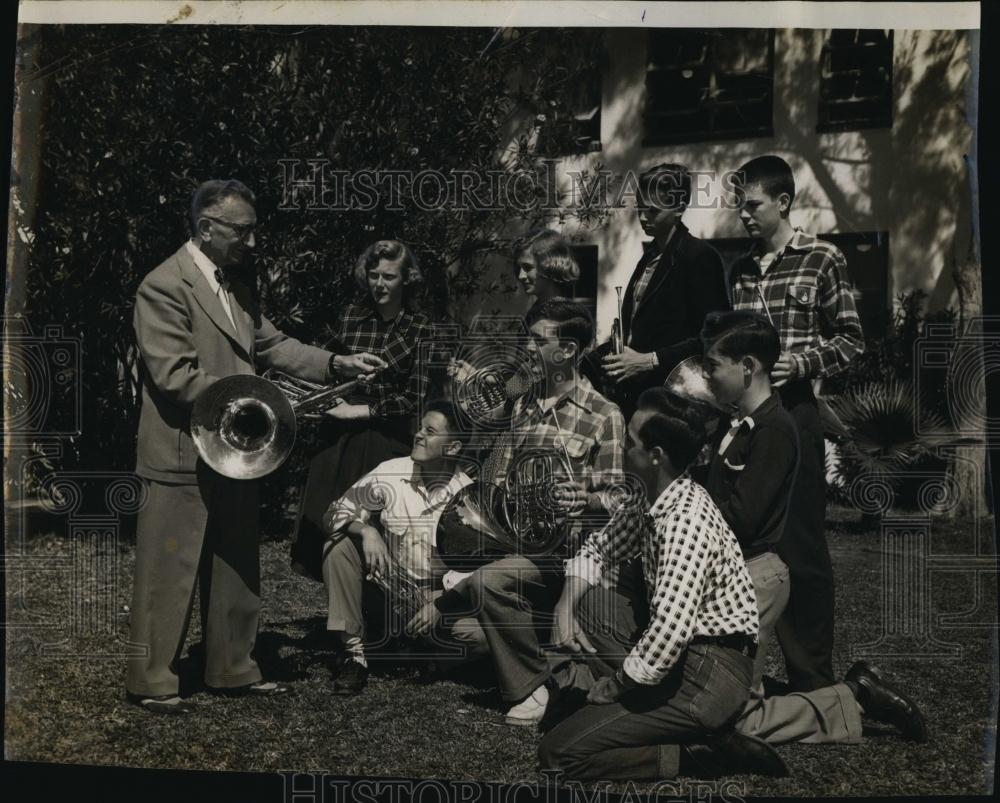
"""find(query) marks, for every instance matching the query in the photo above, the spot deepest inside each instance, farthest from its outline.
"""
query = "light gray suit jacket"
(186, 342)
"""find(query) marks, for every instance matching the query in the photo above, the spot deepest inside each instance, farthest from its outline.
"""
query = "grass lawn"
(65, 707)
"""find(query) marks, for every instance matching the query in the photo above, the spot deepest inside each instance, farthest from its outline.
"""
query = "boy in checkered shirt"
(800, 283)
(661, 607)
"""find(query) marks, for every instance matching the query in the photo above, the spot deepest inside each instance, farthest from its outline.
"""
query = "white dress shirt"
(408, 507)
(208, 269)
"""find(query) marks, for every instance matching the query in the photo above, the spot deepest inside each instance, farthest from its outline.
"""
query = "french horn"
(519, 516)
(244, 426)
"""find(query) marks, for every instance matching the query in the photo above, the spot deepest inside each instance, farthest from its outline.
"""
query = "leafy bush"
(133, 118)
(889, 355)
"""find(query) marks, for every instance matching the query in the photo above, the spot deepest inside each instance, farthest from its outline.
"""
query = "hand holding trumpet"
(362, 366)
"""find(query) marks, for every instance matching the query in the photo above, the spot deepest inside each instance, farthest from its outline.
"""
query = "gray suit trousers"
(205, 532)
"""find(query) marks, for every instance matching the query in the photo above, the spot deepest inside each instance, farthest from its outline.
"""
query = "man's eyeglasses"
(241, 230)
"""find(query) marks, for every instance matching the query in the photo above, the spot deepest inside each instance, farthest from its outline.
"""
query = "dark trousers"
(513, 599)
(638, 736)
(805, 630)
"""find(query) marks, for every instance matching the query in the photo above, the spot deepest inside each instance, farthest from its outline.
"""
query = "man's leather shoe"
(883, 702)
(352, 678)
(161, 704)
(733, 754)
(260, 688)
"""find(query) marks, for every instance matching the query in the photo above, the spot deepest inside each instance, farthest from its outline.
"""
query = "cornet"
(243, 426)
(406, 594)
(617, 334)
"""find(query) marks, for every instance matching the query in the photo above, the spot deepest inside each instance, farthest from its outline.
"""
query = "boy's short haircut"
(451, 414)
(680, 441)
(666, 186)
(739, 333)
(572, 319)
(660, 400)
(773, 174)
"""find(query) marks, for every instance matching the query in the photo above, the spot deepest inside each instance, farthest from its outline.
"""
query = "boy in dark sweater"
(750, 480)
(751, 473)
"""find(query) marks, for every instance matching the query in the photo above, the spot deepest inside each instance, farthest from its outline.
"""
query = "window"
(709, 84)
(855, 90)
(867, 255)
(575, 126)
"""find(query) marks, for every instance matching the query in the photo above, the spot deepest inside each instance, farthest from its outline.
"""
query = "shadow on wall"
(910, 180)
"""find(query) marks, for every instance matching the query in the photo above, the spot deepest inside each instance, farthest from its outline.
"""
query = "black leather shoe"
(733, 754)
(169, 704)
(883, 702)
(351, 680)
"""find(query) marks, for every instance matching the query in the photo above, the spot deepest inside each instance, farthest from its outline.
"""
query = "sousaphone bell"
(243, 426)
(687, 382)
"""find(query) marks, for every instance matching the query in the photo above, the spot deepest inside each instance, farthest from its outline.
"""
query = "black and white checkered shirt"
(397, 389)
(696, 579)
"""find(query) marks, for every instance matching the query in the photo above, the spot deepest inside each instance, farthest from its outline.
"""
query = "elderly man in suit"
(678, 281)
(195, 324)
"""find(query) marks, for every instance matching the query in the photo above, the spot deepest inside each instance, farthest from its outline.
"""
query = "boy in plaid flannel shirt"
(800, 283)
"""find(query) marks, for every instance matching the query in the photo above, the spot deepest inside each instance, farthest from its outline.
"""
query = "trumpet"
(307, 397)
(244, 426)
(617, 335)
(406, 594)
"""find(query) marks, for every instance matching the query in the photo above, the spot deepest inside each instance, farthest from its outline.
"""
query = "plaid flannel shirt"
(697, 582)
(584, 426)
(395, 391)
(808, 295)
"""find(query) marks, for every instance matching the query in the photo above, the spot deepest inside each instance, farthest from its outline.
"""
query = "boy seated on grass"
(405, 497)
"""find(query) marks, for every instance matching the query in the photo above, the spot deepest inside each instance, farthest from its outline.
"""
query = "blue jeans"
(637, 737)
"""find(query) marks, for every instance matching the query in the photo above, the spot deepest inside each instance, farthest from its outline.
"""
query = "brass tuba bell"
(686, 381)
(243, 426)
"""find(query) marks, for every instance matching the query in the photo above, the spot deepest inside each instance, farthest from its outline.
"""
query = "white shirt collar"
(458, 480)
(668, 495)
(204, 263)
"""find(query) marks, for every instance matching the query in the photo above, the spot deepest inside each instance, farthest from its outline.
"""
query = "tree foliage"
(134, 117)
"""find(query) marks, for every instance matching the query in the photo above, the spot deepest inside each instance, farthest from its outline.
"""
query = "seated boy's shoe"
(161, 703)
(883, 702)
(529, 711)
(733, 754)
(352, 678)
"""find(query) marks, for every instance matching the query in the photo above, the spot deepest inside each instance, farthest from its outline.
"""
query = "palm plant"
(888, 431)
